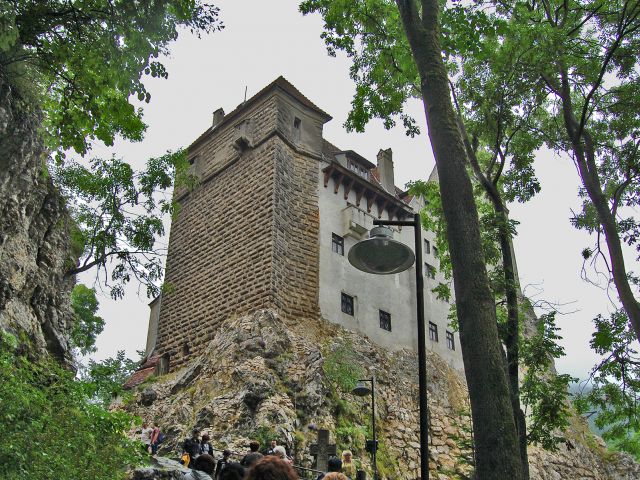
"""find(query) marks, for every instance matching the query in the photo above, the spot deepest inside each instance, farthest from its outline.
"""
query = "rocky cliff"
(34, 235)
(260, 378)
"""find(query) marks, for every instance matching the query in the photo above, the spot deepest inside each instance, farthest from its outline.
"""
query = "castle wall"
(394, 294)
(246, 237)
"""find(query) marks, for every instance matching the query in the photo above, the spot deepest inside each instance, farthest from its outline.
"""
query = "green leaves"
(43, 405)
(87, 325)
(119, 216)
(88, 59)
(544, 393)
(613, 391)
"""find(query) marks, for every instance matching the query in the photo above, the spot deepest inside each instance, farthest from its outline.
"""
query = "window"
(435, 251)
(337, 244)
(433, 331)
(296, 129)
(347, 304)
(450, 343)
(385, 320)
(427, 246)
(359, 169)
(431, 270)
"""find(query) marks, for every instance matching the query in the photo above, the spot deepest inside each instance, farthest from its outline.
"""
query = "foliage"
(118, 214)
(103, 380)
(544, 393)
(87, 60)
(263, 435)
(87, 325)
(51, 429)
(341, 365)
(614, 383)
(578, 60)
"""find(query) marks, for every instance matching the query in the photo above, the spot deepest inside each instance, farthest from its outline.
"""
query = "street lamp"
(380, 254)
(362, 390)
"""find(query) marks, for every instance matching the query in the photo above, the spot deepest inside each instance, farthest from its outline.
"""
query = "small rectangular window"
(427, 246)
(430, 270)
(450, 342)
(435, 251)
(347, 304)
(385, 320)
(433, 331)
(296, 122)
(337, 244)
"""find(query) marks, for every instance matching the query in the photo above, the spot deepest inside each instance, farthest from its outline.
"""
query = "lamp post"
(380, 254)
(362, 390)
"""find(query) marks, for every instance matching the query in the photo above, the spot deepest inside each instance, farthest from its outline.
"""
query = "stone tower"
(246, 236)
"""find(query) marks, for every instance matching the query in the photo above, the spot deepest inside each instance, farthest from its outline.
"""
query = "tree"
(81, 64)
(81, 61)
(118, 214)
(103, 380)
(87, 325)
(582, 54)
(384, 41)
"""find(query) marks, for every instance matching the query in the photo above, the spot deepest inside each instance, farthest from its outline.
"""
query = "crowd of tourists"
(273, 463)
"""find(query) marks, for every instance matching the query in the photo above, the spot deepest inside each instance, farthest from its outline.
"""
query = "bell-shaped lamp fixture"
(361, 389)
(381, 254)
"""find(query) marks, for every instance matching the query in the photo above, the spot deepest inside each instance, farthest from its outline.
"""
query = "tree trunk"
(496, 442)
(512, 341)
(584, 153)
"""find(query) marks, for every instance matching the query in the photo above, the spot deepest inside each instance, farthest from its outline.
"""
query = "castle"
(269, 224)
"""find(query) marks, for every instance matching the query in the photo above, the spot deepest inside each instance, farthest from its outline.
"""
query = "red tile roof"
(139, 376)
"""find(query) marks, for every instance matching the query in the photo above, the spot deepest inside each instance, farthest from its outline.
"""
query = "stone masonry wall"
(295, 234)
(245, 238)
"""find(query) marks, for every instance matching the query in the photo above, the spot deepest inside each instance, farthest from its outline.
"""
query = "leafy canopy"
(51, 429)
(87, 325)
(119, 216)
(87, 60)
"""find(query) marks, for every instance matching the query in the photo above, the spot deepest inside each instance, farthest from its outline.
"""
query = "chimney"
(385, 170)
(218, 116)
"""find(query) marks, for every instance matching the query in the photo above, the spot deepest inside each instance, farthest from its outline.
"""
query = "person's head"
(205, 438)
(334, 464)
(272, 468)
(233, 471)
(254, 446)
(205, 463)
(195, 433)
(280, 452)
(346, 456)
(273, 444)
(226, 453)
(251, 458)
(335, 476)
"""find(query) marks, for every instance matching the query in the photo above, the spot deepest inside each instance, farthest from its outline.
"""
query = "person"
(333, 465)
(145, 436)
(348, 467)
(335, 476)
(271, 468)
(191, 446)
(155, 438)
(205, 446)
(280, 452)
(223, 462)
(269, 450)
(203, 468)
(252, 456)
(233, 471)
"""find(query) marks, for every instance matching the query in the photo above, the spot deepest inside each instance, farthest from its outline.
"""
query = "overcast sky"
(263, 40)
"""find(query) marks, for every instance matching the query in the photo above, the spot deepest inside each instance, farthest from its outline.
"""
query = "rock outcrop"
(34, 235)
(260, 378)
